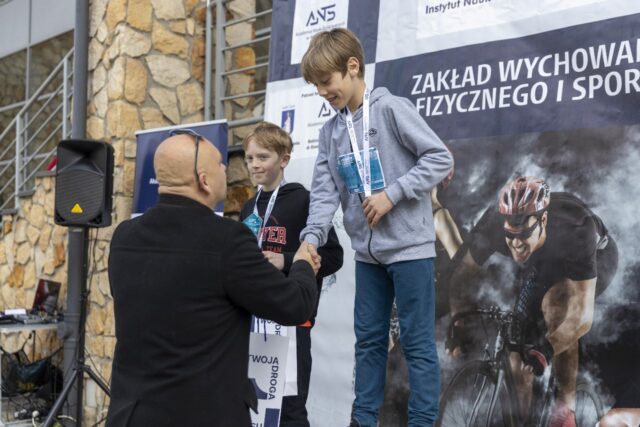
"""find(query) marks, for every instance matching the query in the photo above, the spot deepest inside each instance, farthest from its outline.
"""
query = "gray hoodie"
(413, 159)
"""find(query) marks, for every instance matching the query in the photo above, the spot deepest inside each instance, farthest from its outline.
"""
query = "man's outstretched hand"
(307, 252)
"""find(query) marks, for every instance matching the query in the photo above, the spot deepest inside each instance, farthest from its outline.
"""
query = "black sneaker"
(354, 423)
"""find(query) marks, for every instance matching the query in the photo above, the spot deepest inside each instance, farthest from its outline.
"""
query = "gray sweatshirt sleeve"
(434, 159)
(324, 198)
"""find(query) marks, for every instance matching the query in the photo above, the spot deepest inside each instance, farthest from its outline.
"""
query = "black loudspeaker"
(84, 183)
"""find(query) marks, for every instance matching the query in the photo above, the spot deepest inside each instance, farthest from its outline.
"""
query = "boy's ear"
(353, 66)
(284, 160)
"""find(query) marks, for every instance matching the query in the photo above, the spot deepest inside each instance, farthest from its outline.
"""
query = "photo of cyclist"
(566, 258)
(448, 240)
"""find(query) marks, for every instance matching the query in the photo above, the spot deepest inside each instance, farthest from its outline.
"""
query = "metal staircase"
(28, 143)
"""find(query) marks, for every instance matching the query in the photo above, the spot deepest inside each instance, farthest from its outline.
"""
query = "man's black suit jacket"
(184, 283)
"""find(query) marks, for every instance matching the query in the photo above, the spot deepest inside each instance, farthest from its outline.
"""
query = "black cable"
(370, 236)
(95, 367)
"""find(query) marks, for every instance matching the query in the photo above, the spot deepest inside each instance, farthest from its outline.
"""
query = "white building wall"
(48, 19)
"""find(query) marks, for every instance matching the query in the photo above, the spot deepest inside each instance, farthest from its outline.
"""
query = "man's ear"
(543, 222)
(543, 219)
(203, 183)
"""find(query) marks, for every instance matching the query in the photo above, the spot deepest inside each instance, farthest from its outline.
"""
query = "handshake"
(307, 252)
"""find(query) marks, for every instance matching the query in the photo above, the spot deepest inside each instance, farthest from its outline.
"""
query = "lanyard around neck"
(267, 212)
(363, 164)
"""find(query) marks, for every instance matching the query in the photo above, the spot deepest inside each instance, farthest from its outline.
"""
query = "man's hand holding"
(376, 206)
(307, 252)
(275, 258)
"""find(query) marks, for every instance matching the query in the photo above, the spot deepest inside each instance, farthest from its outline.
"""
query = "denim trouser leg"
(415, 302)
(374, 298)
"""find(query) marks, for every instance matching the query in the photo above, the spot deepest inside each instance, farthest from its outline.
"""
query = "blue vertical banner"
(145, 192)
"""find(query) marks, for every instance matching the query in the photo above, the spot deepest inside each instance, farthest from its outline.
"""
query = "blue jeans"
(411, 282)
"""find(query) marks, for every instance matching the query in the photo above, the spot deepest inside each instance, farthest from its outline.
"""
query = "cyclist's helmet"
(524, 196)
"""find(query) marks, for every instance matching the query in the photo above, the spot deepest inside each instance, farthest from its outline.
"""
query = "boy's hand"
(274, 258)
(375, 207)
(313, 251)
(308, 253)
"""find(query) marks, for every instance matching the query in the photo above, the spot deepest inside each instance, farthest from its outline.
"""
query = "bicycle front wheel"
(476, 397)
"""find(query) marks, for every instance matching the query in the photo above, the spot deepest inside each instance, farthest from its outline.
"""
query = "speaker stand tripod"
(78, 245)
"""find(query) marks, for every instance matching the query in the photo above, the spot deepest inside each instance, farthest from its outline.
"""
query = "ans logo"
(324, 14)
(324, 110)
(287, 119)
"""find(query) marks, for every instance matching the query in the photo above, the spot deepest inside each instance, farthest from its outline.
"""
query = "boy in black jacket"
(277, 218)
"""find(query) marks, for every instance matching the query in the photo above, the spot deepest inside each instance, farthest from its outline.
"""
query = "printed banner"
(312, 17)
(269, 327)
(531, 97)
(296, 107)
(267, 363)
(145, 191)
(452, 16)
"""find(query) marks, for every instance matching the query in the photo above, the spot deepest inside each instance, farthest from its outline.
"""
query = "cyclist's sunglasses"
(524, 233)
(197, 137)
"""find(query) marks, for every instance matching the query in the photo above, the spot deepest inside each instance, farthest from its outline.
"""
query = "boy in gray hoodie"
(382, 178)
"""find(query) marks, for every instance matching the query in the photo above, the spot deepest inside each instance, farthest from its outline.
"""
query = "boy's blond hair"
(269, 136)
(328, 52)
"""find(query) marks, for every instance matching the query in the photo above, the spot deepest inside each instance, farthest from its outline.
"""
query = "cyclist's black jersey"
(569, 251)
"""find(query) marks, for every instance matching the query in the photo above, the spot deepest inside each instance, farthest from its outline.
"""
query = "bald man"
(185, 283)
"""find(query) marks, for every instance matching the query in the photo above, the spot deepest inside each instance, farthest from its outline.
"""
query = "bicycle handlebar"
(493, 312)
(502, 317)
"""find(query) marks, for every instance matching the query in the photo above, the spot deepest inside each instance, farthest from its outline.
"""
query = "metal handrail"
(36, 169)
(244, 122)
(37, 94)
(221, 73)
(45, 123)
(8, 148)
(37, 150)
(247, 43)
(45, 105)
(20, 104)
(243, 69)
(8, 182)
(248, 18)
(244, 95)
(4, 169)
(29, 145)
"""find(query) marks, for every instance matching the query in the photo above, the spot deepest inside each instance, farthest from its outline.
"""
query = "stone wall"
(146, 70)
(32, 247)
